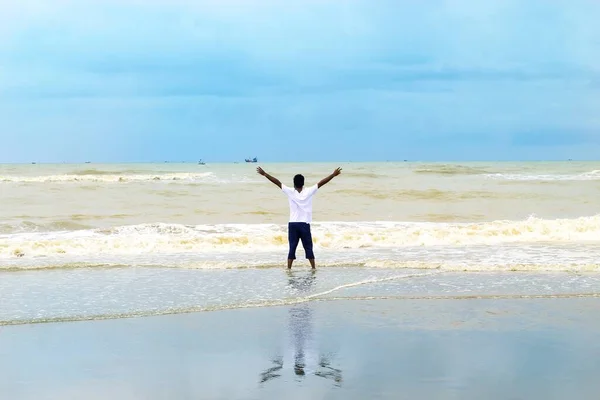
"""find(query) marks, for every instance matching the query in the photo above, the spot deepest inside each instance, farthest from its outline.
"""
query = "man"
(300, 200)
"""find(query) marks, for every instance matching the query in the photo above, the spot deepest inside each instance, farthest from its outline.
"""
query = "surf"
(165, 238)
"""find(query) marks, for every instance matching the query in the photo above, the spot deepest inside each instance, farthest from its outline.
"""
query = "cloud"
(401, 72)
(312, 44)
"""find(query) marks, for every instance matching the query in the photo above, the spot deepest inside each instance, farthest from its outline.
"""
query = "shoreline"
(292, 303)
(134, 292)
(483, 348)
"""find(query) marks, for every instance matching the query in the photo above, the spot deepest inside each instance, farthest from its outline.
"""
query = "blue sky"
(133, 80)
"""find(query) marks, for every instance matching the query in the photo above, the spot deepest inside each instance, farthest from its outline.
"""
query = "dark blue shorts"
(300, 231)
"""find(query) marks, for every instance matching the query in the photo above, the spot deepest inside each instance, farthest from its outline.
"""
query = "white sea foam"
(162, 238)
(110, 178)
(585, 176)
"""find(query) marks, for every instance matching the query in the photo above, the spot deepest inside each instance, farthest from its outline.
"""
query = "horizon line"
(293, 162)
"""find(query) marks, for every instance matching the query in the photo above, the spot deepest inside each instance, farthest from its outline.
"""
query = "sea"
(93, 241)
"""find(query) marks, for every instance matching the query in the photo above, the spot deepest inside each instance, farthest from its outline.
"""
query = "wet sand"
(344, 349)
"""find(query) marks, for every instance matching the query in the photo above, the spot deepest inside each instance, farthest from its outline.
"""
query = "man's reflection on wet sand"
(300, 327)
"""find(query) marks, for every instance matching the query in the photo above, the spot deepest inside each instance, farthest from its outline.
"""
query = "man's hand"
(337, 171)
(269, 177)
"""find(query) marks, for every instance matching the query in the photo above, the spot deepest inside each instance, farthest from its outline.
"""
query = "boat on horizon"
(200, 162)
(251, 160)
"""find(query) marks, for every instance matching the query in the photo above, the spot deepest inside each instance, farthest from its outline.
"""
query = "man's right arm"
(275, 181)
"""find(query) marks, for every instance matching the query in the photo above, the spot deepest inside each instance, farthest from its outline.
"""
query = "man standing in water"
(300, 200)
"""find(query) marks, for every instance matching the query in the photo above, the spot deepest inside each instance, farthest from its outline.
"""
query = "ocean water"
(91, 228)
(535, 216)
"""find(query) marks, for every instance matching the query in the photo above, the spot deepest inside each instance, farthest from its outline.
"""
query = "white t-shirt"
(300, 203)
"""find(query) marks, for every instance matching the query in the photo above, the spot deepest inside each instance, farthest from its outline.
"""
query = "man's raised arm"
(269, 177)
(330, 177)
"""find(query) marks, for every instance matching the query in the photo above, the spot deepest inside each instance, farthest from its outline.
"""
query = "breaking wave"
(163, 238)
(449, 169)
(109, 177)
(585, 176)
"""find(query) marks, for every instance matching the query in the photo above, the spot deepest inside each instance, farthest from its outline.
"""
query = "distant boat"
(201, 162)
(252, 160)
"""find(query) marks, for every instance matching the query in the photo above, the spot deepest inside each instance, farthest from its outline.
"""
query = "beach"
(167, 280)
(381, 349)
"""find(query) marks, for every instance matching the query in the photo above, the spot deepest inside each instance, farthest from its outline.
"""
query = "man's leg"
(293, 239)
(307, 243)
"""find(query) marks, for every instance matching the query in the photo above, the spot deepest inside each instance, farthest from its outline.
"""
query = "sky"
(299, 80)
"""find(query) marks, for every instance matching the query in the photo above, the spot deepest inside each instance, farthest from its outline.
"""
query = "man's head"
(298, 181)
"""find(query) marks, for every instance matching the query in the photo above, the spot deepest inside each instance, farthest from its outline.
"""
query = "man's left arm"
(326, 180)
